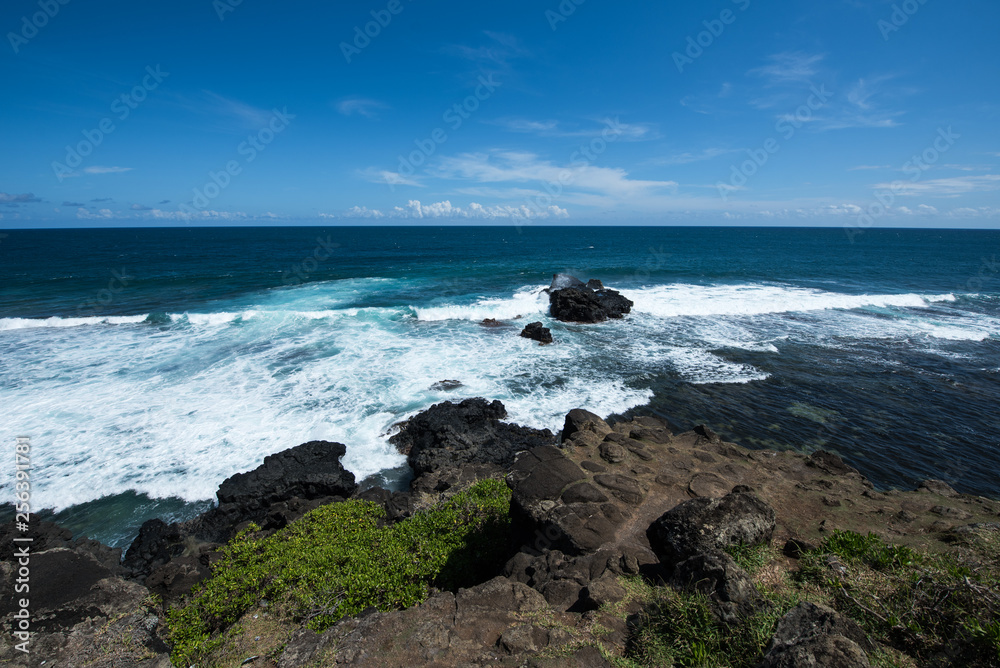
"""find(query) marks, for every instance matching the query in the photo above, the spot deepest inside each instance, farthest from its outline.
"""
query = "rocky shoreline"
(605, 519)
(596, 503)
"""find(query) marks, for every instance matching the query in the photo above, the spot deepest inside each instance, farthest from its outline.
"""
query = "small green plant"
(750, 558)
(919, 604)
(679, 629)
(337, 561)
(871, 550)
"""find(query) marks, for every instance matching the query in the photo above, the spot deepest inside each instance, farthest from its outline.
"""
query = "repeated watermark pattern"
(104, 297)
(900, 16)
(300, 272)
(786, 126)
(565, 10)
(31, 25)
(363, 37)
(987, 270)
(249, 149)
(454, 116)
(223, 7)
(696, 44)
(22, 544)
(914, 168)
(122, 108)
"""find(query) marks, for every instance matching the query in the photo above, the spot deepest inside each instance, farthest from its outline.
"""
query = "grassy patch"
(917, 607)
(921, 605)
(679, 629)
(336, 562)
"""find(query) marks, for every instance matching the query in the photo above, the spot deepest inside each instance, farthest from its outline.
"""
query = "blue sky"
(847, 112)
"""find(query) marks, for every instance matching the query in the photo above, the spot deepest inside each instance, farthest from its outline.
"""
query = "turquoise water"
(149, 365)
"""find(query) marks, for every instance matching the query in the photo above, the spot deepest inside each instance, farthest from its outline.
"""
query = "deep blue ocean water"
(149, 365)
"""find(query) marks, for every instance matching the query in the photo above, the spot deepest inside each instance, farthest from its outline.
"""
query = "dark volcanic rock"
(689, 539)
(308, 471)
(536, 332)
(815, 635)
(156, 544)
(705, 524)
(471, 432)
(572, 300)
(286, 486)
(543, 518)
(578, 420)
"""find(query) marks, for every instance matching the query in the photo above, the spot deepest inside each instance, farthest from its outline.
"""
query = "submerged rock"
(446, 385)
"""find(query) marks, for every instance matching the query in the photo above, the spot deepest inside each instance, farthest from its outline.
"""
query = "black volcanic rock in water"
(471, 432)
(309, 471)
(536, 332)
(572, 300)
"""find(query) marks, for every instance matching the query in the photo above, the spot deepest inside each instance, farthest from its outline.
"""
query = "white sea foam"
(8, 324)
(526, 302)
(114, 404)
(670, 301)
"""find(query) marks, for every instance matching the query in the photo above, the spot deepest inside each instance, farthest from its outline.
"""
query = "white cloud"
(391, 178)
(103, 214)
(687, 157)
(523, 167)
(623, 131)
(97, 169)
(951, 187)
(414, 209)
(360, 105)
(788, 67)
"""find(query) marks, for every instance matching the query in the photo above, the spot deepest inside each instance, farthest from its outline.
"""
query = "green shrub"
(337, 561)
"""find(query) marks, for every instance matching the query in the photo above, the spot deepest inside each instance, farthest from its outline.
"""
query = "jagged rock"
(448, 629)
(612, 452)
(449, 434)
(541, 519)
(818, 652)
(81, 614)
(810, 619)
(579, 420)
(814, 635)
(536, 332)
(308, 471)
(951, 513)
(583, 305)
(705, 524)
(716, 575)
(491, 322)
(689, 539)
(156, 544)
(605, 591)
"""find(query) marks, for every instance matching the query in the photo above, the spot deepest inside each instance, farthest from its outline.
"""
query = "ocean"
(147, 365)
